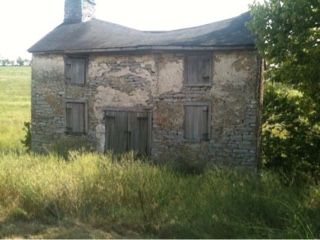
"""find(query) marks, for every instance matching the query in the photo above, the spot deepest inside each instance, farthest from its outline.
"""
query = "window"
(76, 117)
(75, 70)
(197, 122)
(198, 69)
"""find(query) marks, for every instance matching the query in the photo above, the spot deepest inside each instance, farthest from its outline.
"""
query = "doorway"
(128, 130)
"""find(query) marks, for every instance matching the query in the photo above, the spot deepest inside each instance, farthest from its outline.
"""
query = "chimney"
(76, 11)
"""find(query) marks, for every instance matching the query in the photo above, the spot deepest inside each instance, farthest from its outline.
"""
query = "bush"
(291, 135)
(27, 138)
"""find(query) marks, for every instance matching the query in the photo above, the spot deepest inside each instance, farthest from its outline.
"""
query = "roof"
(100, 36)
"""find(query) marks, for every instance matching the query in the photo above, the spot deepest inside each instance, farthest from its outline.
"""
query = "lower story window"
(197, 122)
(76, 117)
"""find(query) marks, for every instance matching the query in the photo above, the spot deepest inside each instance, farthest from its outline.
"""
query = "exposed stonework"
(155, 81)
(47, 99)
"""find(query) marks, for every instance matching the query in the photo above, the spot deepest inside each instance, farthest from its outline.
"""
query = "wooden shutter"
(192, 69)
(205, 69)
(116, 131)
(203, 112)
(138, 127)
(69, 118)
(78, 70)
(68, 64)
(197, 122)
(198, 69)
(75, 117)
(127, 131)
(110, 118)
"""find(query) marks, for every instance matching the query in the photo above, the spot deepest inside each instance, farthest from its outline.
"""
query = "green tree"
(5, 62)
(288, 37)
(20, 61)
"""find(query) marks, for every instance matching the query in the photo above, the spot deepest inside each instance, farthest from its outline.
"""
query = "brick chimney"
(76, 11)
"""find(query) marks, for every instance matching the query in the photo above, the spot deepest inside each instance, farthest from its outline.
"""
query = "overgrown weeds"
(152, 200)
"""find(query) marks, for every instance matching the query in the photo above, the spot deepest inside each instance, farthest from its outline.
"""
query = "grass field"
(94, 196)
(14, 105)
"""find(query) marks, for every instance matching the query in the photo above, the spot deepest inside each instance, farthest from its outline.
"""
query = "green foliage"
(152, 201)
(20, 61)
(291, 140)
(4, 62)
(27, 138)
(288, 33)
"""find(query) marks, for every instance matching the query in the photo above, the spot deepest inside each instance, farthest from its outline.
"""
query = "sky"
(24, 22)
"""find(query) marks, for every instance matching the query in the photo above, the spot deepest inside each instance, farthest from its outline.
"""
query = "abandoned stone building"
(151, 92)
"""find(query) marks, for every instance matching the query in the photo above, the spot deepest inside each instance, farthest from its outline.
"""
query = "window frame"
(67, 58)
(186, 64)
(197, 104)
(76, 101)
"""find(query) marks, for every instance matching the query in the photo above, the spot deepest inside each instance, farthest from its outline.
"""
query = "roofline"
(151, 48)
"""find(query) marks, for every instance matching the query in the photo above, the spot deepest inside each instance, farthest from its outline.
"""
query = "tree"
(20, 61)
(5, 62)
(288, 37)
(27, 62)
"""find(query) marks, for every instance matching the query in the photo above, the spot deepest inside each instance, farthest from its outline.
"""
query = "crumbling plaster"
(154, 80)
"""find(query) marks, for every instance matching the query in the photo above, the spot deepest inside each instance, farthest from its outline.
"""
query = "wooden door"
(128, 131)
(116, 131)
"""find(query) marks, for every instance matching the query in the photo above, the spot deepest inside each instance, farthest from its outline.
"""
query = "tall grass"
(151, 200)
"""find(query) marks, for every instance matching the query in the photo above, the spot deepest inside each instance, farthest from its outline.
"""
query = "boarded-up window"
(198, 69)
(75, 117)
(197, 122)
(128, 131)
(75, 70)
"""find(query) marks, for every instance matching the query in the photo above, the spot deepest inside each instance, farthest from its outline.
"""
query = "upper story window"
(198, 70)
(76, 69)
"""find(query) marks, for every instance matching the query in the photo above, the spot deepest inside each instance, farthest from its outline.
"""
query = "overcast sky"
(24, 22)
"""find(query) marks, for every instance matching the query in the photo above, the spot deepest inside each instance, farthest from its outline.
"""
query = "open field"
(14, 105)
(93, 196)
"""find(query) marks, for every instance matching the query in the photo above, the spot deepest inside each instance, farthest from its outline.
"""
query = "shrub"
(27, 138)
(291, 135)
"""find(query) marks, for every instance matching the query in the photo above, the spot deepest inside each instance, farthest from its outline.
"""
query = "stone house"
(152, 92)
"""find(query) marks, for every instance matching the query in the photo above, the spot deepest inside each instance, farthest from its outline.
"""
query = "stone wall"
(156, 81)
(47, 100)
